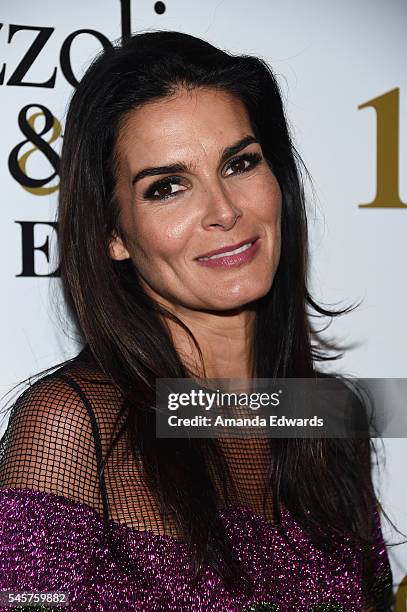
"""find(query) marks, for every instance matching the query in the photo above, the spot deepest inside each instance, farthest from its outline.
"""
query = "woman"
(174, 150)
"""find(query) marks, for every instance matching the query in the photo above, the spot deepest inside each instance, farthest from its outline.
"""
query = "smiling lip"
(226, 249)
(234, 259)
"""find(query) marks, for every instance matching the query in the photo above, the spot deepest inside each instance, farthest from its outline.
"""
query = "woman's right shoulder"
(52, 439)
(69, 388)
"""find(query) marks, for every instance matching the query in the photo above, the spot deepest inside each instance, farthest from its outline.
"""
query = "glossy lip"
(231, 261)
(231, 247)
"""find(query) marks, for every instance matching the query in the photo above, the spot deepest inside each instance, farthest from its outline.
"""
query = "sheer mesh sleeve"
(49, 444)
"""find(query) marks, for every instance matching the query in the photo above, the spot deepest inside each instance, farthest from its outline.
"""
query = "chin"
(229, 301)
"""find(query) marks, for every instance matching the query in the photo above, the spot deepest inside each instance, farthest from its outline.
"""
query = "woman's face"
(222, 194)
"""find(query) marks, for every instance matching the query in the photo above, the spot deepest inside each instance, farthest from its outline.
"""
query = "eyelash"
(253, 158)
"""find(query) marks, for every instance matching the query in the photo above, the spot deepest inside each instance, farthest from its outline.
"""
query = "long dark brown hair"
(325, 483)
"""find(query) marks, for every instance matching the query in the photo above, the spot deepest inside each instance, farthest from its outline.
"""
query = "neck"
(225, 339)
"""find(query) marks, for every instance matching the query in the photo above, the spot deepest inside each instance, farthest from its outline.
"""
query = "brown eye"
(162, 190)
(244, 163)
(240, 165)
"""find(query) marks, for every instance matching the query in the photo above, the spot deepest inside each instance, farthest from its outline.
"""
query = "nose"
(220, 210)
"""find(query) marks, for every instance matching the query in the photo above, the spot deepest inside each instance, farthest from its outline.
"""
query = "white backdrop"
(341, 67)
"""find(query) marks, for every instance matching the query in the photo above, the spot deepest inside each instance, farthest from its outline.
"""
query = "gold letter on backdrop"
(387, 151)
(401, 596)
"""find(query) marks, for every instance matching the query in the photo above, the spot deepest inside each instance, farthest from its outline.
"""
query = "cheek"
(160, 237)
(268, 202)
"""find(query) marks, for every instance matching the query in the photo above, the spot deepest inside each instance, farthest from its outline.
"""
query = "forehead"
(199, 120)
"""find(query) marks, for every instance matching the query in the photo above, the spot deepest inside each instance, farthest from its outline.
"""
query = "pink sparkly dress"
(66, 528)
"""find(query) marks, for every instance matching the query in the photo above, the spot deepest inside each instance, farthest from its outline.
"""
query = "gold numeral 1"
(387, 150)
(401, 596)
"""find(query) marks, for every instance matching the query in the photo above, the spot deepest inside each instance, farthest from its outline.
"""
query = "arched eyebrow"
(182, 167)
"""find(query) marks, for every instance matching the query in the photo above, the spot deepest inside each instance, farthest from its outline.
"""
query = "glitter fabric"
(101, 540)
(50, 543)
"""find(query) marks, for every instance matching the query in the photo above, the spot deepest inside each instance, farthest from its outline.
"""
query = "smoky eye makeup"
(165, 184)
